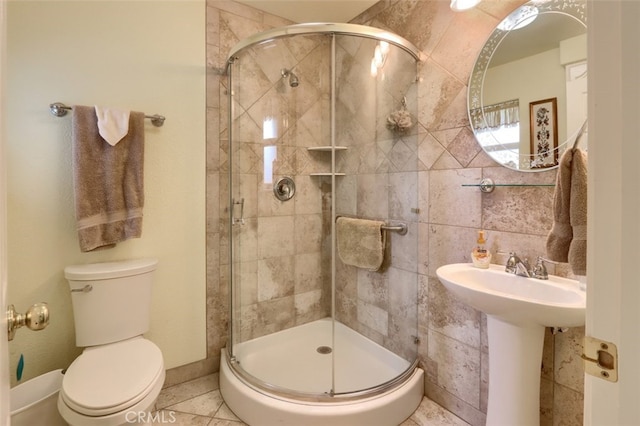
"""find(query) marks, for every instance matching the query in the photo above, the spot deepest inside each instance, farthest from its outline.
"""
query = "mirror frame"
(574, 8)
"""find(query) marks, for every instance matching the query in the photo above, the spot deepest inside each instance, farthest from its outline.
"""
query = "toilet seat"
(111, 378)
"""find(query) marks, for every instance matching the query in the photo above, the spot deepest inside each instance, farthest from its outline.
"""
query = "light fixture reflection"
(384, 48)
(379, 57)
(269, 128)
(521, 17)
(462, 5)
(270, 155)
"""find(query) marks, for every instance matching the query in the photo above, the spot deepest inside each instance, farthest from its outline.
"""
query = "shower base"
(297, 359)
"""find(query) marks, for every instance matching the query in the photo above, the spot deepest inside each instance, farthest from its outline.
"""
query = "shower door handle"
(234, 220)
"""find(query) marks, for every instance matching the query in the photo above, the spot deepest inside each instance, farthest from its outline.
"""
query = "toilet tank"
(111, 301)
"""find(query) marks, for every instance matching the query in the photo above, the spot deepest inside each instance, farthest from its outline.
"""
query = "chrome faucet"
(521, 267)
(517, 266)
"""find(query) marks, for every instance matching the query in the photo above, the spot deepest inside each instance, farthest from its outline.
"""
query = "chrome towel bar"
(400, 228)
(60, 110)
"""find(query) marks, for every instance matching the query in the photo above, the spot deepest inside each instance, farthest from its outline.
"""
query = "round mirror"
(528, 89)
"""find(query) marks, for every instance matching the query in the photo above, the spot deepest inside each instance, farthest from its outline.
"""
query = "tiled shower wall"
(453, 343)
(380, 183)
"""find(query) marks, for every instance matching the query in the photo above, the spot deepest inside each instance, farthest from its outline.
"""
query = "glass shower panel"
(280, 99)
(376, 99)
(321, 125)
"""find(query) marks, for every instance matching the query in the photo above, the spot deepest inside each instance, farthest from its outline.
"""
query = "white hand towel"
(113, 124)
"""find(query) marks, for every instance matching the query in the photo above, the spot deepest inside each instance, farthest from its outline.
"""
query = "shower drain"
(324, 350)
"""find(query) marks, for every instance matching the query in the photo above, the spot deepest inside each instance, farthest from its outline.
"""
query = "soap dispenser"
(480, 256)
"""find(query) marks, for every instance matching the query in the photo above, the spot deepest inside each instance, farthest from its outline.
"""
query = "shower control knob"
(284, 189)
(36, 318)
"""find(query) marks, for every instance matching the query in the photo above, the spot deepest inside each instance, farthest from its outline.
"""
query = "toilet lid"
(110, 378)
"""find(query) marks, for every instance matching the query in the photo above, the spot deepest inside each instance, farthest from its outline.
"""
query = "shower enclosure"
(321, 126)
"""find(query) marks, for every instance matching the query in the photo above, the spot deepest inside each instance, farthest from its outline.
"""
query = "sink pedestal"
(518, 310)
(515, 358)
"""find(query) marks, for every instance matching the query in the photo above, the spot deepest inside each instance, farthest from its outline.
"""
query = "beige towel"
(360, 242)
(108, 181)
(578, 247)
(561, 233)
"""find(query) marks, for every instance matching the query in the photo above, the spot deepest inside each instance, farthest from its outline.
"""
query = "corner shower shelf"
(327, 148)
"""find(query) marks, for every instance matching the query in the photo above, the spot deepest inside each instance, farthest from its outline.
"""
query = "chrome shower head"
(293, 79)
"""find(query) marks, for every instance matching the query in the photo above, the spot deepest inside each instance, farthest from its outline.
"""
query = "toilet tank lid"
(106, 270)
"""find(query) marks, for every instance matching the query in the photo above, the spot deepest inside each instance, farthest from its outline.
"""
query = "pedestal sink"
(518, 310)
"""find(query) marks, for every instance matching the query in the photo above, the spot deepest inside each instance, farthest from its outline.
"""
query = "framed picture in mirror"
(543, 119)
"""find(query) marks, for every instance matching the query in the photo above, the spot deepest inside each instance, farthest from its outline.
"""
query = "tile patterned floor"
(199, 403)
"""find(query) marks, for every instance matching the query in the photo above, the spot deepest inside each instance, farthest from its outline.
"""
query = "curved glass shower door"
(319, 129)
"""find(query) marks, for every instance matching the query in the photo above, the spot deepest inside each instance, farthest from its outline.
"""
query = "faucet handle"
(512, 263)
(540, 271)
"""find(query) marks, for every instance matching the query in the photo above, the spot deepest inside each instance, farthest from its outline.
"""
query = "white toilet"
(118, 376)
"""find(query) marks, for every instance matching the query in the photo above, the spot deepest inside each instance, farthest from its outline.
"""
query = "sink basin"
(556, 302)
(518, 310)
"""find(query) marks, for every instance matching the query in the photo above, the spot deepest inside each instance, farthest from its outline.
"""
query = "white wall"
(144, 56)
(4, 345)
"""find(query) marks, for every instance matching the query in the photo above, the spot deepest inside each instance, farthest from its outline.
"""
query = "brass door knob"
(36, 318)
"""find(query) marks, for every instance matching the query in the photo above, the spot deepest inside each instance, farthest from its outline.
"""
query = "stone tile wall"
(453, 348)
(453, 337)
(381, 183)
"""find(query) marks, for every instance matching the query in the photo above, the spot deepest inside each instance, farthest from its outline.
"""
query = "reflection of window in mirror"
(501, 135)
(506, 153)
(576, 89)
